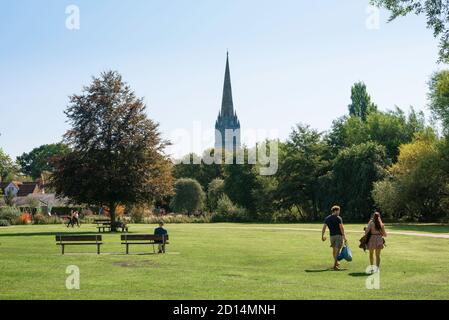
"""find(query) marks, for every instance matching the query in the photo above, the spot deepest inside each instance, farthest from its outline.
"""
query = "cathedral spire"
(227, 126)
(227, 106)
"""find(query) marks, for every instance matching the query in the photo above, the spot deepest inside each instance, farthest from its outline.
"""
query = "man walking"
(337, 233)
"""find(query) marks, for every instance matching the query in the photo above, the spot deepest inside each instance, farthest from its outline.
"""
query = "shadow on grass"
(358, 274)
(323, 270)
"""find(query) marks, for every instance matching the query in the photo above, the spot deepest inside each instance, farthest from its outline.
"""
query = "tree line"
(113, 154)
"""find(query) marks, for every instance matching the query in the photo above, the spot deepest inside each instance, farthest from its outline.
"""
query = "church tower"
(227, 126)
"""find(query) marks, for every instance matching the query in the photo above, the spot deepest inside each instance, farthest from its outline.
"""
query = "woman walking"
(376, 233)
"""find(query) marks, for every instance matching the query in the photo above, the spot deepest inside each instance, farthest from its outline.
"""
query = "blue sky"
(291, 61)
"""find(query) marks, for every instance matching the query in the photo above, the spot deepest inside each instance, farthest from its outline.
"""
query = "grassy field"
(222, 261)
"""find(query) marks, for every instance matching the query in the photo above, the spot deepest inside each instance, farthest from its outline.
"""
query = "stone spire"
(227, 106)
(227, 126)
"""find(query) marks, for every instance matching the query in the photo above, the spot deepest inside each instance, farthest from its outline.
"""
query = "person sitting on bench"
(161, 231)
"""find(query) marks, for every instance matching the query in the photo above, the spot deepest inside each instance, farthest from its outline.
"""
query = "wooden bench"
(103, 224)
(148, 239)
(78, 240)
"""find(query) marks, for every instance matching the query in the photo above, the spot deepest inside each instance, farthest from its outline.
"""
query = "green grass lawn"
(221, 261)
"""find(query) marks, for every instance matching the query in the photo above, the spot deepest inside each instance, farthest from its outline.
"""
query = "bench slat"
(78, 238)
(137, 237)
(79, 244)
(149, 243)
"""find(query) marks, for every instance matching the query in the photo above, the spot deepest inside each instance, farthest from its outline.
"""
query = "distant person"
(76, 219)
(337, 233)
(376, 233)
(161, 231)
(70, 217)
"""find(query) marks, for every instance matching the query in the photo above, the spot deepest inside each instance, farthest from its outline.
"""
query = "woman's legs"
(371, 257)
(378, 257)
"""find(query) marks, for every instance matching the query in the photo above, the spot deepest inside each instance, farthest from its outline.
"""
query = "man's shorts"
(337, 241)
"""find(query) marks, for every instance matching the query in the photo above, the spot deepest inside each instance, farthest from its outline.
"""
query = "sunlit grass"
(221, 261)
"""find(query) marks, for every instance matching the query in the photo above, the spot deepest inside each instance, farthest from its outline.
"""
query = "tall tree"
(39, 159)
(436, 12)
(8, 169)
(417, 187)
(389, 129)
(117, 153)
(304, 158)
(361, 104)
(439, 97)
(355, 169)
(241, 182)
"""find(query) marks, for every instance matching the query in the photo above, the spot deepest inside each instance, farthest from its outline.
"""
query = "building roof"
(27, 188)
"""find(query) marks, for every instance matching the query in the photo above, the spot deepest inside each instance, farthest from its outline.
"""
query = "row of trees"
(369, 159)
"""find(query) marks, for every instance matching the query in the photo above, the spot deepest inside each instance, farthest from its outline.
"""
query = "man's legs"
(335, 253)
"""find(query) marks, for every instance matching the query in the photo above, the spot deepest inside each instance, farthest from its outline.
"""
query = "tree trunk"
(112, 208)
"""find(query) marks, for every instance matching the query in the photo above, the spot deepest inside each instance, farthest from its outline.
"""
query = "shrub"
(177, 218)
(39, 219)
(53, 220)
(4, 223)
(225, 205)
(214, 191)
(88, 218)
(11, 214)
(287, 217)
(228, 212)
(137, 214)
(25, 218)
(42, 219)
(189, 196)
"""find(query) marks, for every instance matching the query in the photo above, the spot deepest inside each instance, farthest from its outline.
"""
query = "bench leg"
(127, 249)
(98, 249)
(62, 249)
(154, 251)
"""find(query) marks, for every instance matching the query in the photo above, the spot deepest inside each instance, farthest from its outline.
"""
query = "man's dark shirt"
(333, 223)
(160, 231)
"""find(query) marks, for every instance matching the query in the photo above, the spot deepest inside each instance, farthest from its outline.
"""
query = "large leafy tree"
(304, 158)
(389, 129)
(361, 104)
(355, 169)
(439, 97)
(8, 169)
(436, 12)
(192, 166)
(39, 159)
(241, 183)
(417, 187)
(117, 153)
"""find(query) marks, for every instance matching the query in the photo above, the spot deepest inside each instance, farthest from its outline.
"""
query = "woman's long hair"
(377, 221)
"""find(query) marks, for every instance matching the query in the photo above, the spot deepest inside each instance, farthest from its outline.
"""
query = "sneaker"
(337, 268)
